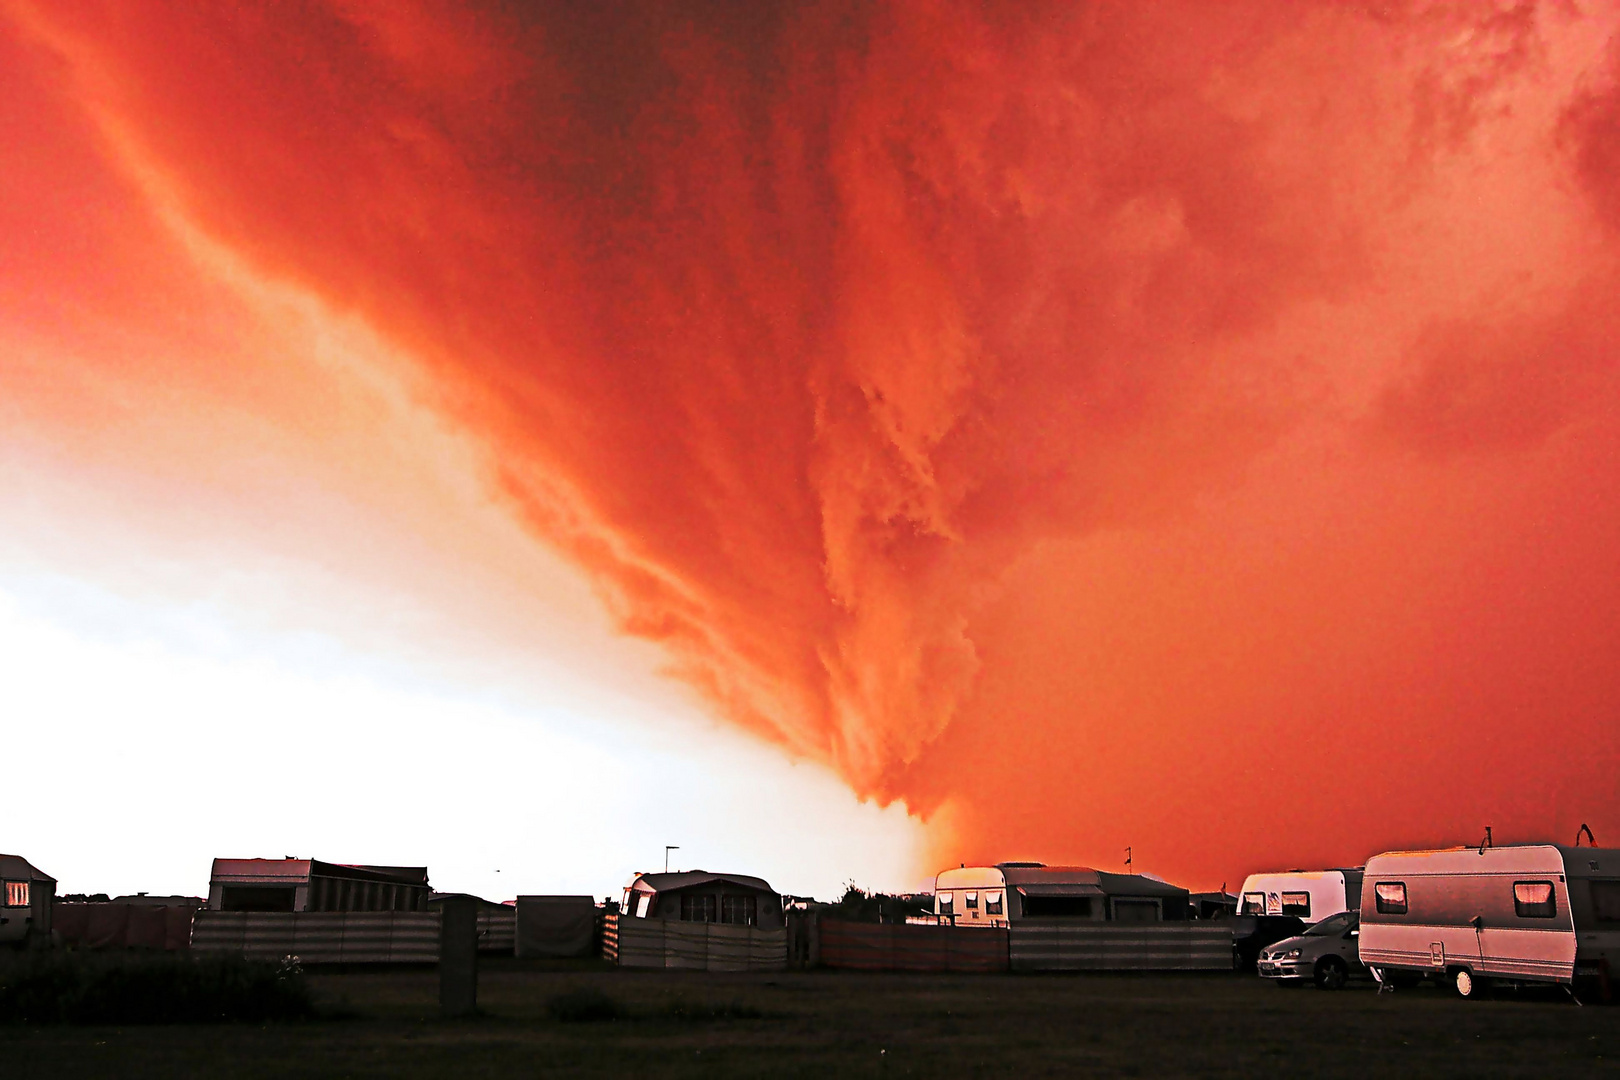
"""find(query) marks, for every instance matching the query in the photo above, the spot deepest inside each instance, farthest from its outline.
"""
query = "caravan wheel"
(1465, 984)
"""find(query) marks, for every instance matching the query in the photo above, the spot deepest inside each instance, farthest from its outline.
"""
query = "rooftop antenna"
(667, 849)
(1591, 841)
(1485, 843)
(1127, 860)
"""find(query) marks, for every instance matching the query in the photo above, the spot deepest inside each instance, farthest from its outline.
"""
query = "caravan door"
(1526, 930)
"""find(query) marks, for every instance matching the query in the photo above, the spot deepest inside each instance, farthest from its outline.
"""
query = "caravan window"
(1136, 911)
(743, 910)
(1390, 896)
(1606, 901)
(1297, 903)
(945, 903)
(1534, 900)
(1056, 907)
(697, 908)
(643, 903)
(16, 894)
(972, 899)
(992, 903)
(1254, 903)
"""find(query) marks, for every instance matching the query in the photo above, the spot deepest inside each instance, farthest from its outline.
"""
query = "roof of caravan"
(18, 868)
(1502, 858)
(294, 871)
(1308, 874)
(1061, 880)
(560, 899)
(683, 879)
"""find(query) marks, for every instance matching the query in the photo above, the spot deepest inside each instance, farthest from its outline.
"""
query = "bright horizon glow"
(352, 758)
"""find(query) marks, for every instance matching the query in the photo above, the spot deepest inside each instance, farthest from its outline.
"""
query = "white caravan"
(1311, 895)
(1522, 913)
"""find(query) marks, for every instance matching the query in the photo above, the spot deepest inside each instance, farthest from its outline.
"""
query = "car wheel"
(1331, 973)
(1466, 985)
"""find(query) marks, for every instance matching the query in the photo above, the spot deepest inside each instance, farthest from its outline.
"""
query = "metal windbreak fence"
(1028, 945)
(321, 937)
(123, 926)
(497, 931)
(696, 946)
(899, 947)
(1055, 945)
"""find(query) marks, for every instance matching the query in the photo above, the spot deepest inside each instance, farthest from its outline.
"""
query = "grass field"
(823, 1023)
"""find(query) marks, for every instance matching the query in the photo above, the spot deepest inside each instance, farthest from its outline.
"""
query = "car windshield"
(1334, 924)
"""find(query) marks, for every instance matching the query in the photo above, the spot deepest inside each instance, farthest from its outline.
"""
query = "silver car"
(1325, 953)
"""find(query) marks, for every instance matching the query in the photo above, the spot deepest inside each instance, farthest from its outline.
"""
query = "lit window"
(16, 894)
(1254, 903)
(1534, 900)
(972, 899)
(992, 903)
(643, 904)
(1390, 897)
(1297, 903)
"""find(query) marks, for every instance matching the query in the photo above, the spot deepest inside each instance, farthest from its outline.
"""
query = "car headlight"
(1287, 954)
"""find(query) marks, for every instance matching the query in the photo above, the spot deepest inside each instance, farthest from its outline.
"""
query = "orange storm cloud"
(1179, 425)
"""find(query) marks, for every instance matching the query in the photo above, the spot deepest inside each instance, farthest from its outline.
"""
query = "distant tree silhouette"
(858, 905)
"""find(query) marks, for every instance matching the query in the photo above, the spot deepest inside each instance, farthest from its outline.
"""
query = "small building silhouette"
(312, 885)
(26, 893)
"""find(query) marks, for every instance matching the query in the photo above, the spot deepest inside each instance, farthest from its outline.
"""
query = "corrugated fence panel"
(497, 931)
(666, 943)
(367, 936)
(1053, 945)
(321, 937)
(218, 931)
(414, 938)
(895, 947)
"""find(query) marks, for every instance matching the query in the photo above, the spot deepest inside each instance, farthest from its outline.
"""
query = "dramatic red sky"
(1192, 426)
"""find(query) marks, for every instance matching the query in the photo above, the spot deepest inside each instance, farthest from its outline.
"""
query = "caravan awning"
(1059, 889)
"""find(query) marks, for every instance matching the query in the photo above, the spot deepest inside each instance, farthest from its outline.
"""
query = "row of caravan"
(1521, 913)
(1010, 892)
(1516, 914)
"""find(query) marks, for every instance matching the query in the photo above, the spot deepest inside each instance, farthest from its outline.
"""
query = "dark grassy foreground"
(57, 987)
(587, 1020)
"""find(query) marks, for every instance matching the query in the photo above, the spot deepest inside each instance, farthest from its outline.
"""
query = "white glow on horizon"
(147, 740)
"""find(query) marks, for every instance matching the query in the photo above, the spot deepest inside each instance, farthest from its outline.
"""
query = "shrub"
(79, 988)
